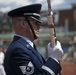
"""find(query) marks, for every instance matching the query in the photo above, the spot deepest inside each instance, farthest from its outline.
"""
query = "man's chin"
(36, 37)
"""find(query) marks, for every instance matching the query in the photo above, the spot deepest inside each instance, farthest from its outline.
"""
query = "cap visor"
(36, 19)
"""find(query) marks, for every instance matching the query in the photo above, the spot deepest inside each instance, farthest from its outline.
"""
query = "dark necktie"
(34, 46)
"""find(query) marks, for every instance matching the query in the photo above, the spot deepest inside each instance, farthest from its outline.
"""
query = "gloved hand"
(56, 52)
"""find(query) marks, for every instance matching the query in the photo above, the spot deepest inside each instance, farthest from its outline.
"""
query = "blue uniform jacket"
(22, 59)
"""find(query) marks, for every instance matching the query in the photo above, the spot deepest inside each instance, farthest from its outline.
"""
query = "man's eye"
(37, 23)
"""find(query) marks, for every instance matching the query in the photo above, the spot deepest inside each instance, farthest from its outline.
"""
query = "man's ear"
(23, 24)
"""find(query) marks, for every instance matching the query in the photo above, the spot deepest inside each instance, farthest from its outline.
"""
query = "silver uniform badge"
(28, 70)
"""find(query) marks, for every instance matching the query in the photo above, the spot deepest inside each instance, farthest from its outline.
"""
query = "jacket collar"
(26, 39)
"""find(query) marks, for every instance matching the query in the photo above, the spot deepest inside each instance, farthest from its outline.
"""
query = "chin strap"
(31, 27)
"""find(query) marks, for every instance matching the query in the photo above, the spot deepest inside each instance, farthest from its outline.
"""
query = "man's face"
(36, 26)
(21, 26)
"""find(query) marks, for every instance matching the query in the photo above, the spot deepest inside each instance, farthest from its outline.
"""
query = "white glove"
(56, 52)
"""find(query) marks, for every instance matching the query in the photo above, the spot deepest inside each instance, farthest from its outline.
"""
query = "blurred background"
(65, 25)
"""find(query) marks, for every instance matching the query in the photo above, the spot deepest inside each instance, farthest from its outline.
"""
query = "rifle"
(51, 26)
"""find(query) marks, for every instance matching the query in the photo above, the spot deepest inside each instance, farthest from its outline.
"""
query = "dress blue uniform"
(21, 58)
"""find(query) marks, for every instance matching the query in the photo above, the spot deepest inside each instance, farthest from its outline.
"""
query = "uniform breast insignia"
(28, 69)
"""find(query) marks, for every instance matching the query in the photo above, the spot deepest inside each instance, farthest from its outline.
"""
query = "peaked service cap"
(32, 10)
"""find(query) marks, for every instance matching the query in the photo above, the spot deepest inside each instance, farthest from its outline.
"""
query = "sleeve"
(52, 66)
(21, 63)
